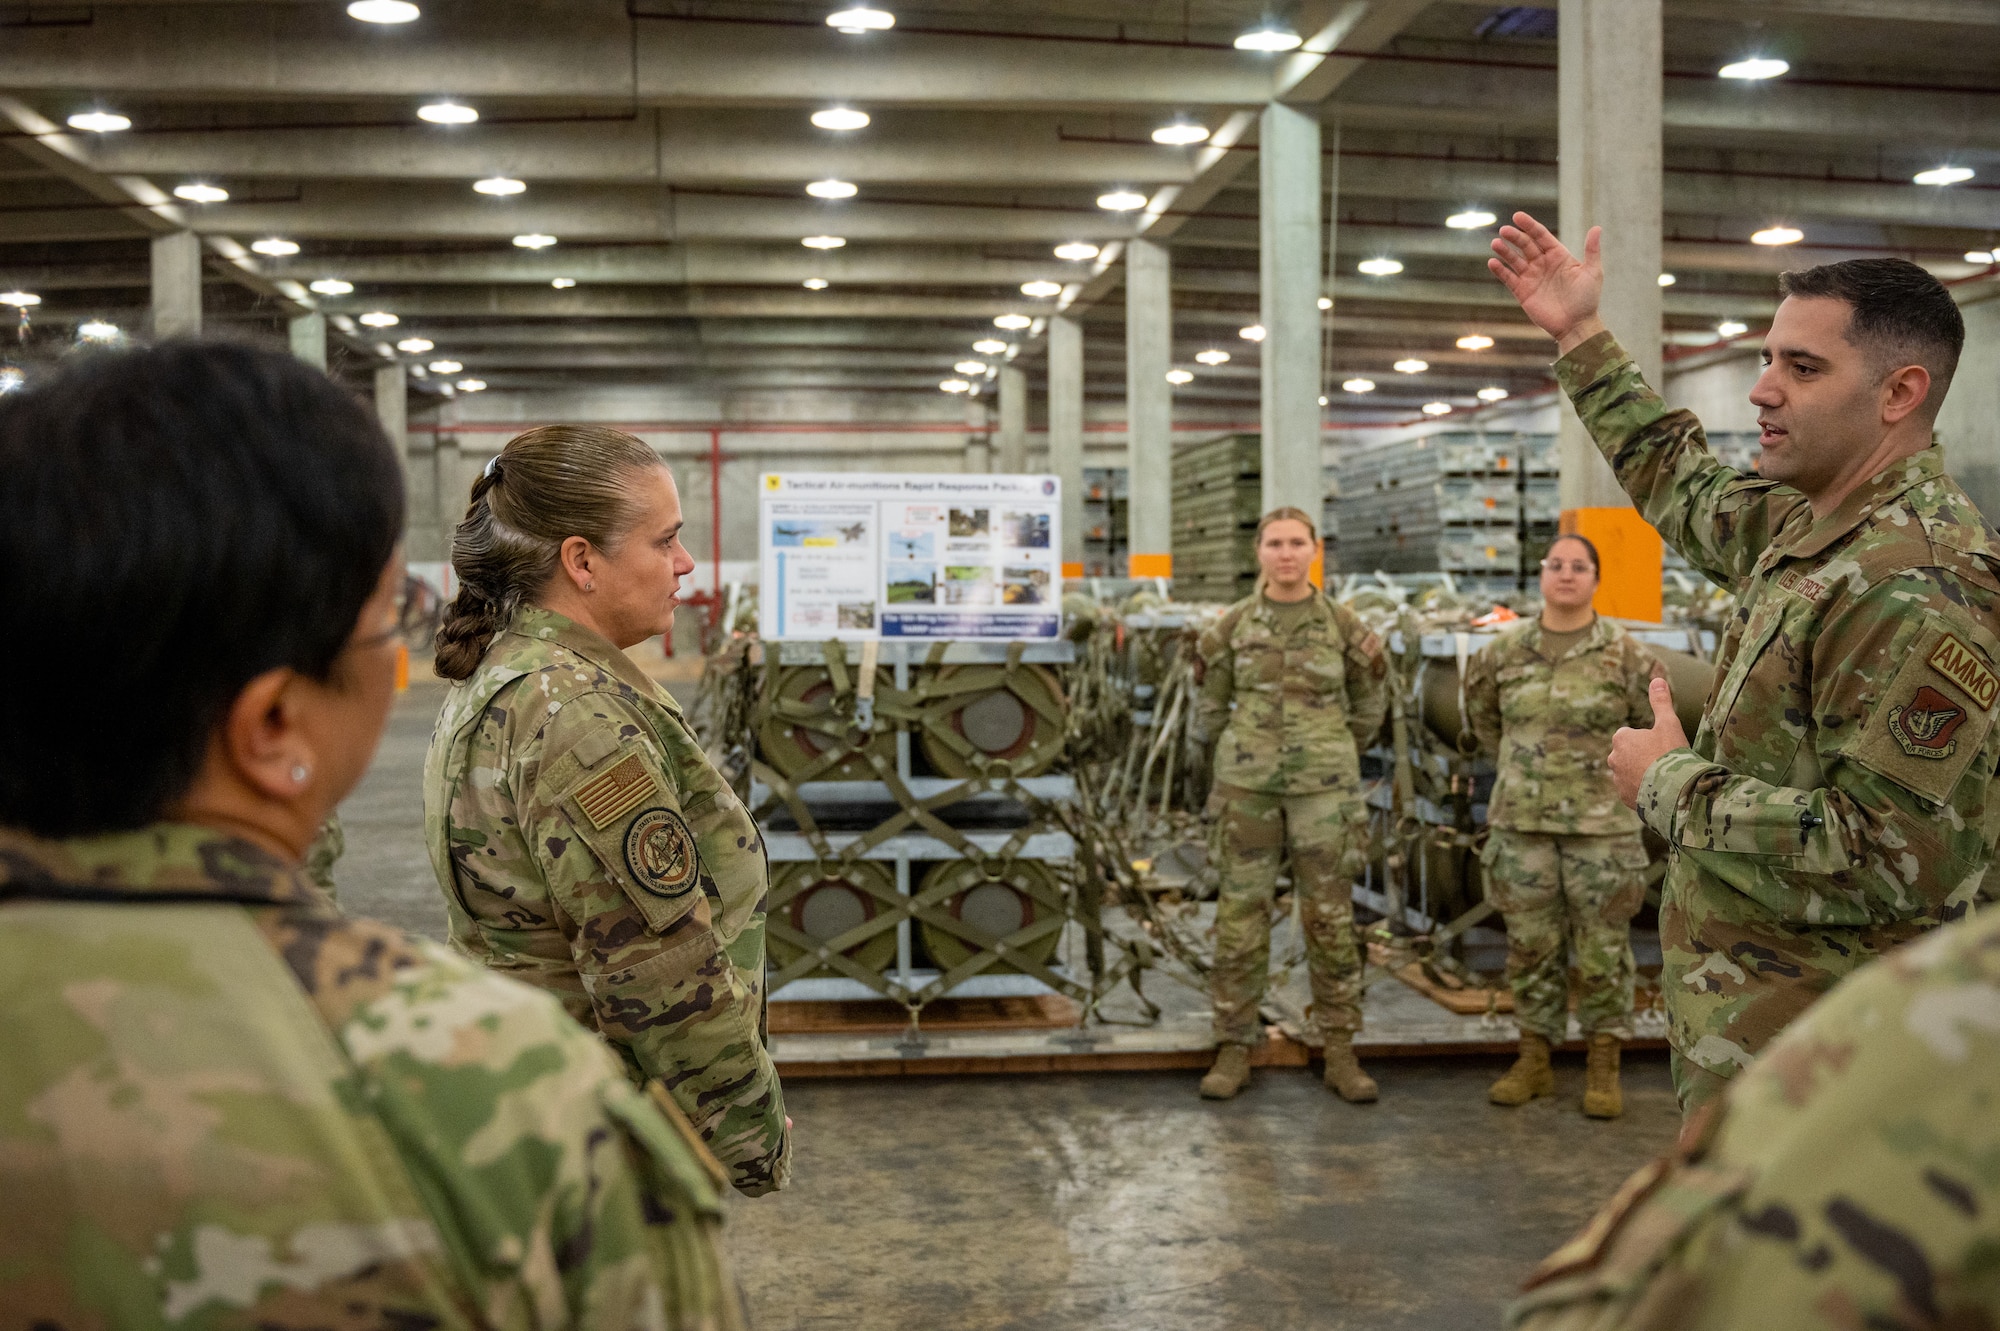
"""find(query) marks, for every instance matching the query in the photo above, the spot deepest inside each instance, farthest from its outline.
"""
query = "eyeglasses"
(1575, 566)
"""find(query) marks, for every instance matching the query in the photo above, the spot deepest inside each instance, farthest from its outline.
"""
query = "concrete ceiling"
(667, 143)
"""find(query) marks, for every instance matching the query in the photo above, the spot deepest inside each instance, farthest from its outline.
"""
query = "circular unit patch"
(659, 850)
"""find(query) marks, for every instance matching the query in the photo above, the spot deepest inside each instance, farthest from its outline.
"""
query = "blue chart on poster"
(859, 555)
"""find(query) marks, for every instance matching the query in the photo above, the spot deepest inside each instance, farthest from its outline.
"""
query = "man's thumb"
(1662, 696)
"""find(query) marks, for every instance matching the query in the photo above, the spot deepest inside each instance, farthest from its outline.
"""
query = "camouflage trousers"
(1562, 895)
(1251, 831)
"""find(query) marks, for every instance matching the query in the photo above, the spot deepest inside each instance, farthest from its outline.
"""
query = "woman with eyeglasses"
(1563, 857)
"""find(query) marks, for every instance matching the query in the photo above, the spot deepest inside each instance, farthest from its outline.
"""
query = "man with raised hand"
(1835, 799)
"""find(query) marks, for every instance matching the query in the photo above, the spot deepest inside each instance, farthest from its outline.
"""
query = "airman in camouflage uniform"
(1837, 798)
(1563, 857)
(222, 1104)
(585, 844)
(1287, 710)
(1845, 1180)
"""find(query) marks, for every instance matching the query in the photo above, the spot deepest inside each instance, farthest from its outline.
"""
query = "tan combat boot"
(1344, 1076)
(1601, 1096)
(1230, 1074)
(1531, 1075)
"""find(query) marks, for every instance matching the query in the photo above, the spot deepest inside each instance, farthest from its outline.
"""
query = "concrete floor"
(1122, 1200)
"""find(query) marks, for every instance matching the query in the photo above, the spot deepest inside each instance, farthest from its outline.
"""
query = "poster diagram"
(860, 555)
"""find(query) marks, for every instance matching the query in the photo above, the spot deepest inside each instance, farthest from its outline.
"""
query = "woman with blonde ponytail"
(1291, 684)
(582, 840)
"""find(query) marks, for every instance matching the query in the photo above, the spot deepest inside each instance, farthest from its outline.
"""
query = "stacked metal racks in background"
(1218, 497)
(1105, 505)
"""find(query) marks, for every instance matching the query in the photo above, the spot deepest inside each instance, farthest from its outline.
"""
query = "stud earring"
(299, 773)
(590, 586)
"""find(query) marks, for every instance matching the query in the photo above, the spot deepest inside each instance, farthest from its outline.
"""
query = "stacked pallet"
(1104, 522)
(1218, 497)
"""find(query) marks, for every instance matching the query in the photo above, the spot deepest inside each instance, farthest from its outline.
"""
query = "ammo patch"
(1924, 726)
(604, 799)
(660, 852)
(1959, 664)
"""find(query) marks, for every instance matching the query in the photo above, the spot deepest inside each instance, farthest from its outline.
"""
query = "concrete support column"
(1013, 419)
(453, 491)
(1608, 175)
(978, 441)
(1149, 409)
(1066, 434)
(1968, 424)
(1289, 242)
(392, 407)
(309, 338)
(177, 285)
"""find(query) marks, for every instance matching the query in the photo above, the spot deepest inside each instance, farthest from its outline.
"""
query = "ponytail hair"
(545, 486)
(1282, 514)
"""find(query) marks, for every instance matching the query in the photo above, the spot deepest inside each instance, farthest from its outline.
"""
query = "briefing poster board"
(865, 555)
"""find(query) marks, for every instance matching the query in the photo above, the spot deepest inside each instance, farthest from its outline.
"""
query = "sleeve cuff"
(1662, 788)
(1588, 362)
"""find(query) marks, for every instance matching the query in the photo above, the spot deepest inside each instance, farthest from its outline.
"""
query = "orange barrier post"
(1632, 582)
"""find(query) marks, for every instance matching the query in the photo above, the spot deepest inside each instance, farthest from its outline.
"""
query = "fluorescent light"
(275, 247)
(1493, 394)
(1180, 377)
(832, 189)
(989, 346)
(1268, 39)
(416, 346)
(379, 319)
(955, 386)
(840, 117)
(472, 385)
(383, 11)
(332, 286)
(1379, 267)
(447, 113)
(1041, 289)
(1777, 235)
(1358, 386)
(1437, 408)
(1121, 201)
(815, 284)
(97, 330)
(534, 240)
(1012, 322)
(1470, 220)
(11, 378)
(1942, 175)
(499, 186)
(1326, 302)
(1668, 279)
(1322, 399)
(445, 367)
(197, 192)
(1254, 333)
(562, 283)
(1757, 67)
(970, 367)
(1981, 256)
(1731, 328)
(20, 300)
(1411, 365)
(1213, 356)
(99, 122)
(1474, 342)
(1180, 134)
(861, 19)
(823, 242)
(1076, 251)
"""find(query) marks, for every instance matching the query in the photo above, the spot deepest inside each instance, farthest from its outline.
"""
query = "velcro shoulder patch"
(1960, 664)
(1933, 719)
(610, 795)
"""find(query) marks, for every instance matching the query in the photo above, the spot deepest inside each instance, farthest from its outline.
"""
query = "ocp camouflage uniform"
(223, 1104)
(328, 845)
(585, 844)
(1836, 798)
(1847, 1179)
(1287, 711)
(1563, 858)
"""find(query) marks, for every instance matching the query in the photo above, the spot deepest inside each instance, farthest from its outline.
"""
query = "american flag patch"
(604, 798)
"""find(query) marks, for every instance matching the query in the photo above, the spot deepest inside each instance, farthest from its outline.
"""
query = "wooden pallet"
(945, 1016)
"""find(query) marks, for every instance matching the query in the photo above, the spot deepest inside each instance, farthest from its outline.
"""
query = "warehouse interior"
(1048, 239)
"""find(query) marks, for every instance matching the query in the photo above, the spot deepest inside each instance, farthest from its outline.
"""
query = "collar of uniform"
(1266, 608)
(1869, 496)
(548, 626)
(162, 862)
(1601, 632)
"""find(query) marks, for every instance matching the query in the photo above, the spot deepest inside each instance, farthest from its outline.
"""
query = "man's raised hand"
(1556, 290)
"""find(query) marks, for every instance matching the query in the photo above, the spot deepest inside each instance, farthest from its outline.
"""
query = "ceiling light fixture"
(1358, 386)
(562, 283)
(970, 367)
(1180, 376)
(447, 113)
(1942, 175)
(275, 247)
(1254, 333)
(1981, 256)
(445, 367)
(1013, 323)
(20, 300)
(1493, 394)
(534, 240)
(1180, 134)
(823, 242)
(1474, 342)
(383, 11)
(1437, 408)
(1379, 267)
(1777, 235)
(11, 378)
(416, 346)
(840, 118)
(1411, 365)
(1269, 39)
(1041, 288)
(379, 319)
(1326, 302)
(1213, 356)
(1076, 251)
(99, 122)
(1470, 220)
(1121, 201)
(97, 331)
(198, 192)
(955, 386)
(1731, 328)
(989, 346)
(861, 19)
(1668, 279)
(815, 284)
(500, 186)
(1322, 399)
(1757, 67)
(472, 385)
(332, 286)
(832, 189)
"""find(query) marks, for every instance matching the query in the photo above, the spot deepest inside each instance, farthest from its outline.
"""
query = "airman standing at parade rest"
(582, 840)
(1837, 798)
(1290, 683)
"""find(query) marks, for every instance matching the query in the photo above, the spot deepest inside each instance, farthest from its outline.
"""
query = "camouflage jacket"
(1847, 1180)
(1288, 711)
(1837, 796)
(585, 844)
(224, 1104)
(1551, 724)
